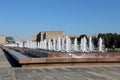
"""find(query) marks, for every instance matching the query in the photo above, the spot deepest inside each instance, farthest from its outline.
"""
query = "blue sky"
(22, 18)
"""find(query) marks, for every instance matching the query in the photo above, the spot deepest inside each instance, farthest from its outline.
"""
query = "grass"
(115, 50)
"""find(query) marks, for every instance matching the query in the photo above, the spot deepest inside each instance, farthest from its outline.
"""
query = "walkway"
(86, 72)
(3, 61)
(69, 73)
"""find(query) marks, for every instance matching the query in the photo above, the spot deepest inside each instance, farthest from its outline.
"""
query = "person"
(113, 47)
(106, 49)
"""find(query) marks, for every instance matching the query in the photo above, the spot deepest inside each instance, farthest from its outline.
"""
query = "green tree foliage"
(110, 39)
(95, 41)
(81, 36)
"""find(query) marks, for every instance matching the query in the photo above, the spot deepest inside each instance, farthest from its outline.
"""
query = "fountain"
(38, 45)
(54, 44)
(81, 45)
(75, 45)
(64, 45)
(49, 44)
(68, 44)
(44, 44)
(84, 45)
(90, 44)
(100, 45)
(63, 51)
(58, 44)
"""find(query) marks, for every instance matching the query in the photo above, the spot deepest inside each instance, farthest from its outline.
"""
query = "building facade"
(2, 40)
(50, 35)
(33, 38)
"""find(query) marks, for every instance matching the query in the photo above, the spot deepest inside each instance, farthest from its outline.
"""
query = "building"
(50, 35)
(9, 39)
(33, 38)
(2, 40)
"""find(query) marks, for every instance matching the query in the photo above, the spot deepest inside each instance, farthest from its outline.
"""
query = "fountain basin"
(63, 58)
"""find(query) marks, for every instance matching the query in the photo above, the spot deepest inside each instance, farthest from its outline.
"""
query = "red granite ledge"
(60, 58)
(67, 60)
(80, 54)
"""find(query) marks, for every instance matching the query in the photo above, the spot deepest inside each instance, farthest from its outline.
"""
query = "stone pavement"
(61, 73)
(3, 60)
(86, 72)
(69, 73)
(5, 67)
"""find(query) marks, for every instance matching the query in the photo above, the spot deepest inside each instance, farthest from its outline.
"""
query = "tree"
(81, 36)
(95, 41)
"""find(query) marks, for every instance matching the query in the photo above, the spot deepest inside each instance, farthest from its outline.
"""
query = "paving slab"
(3, 60)
(61, 73)
(69, 73)
(86, 72)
